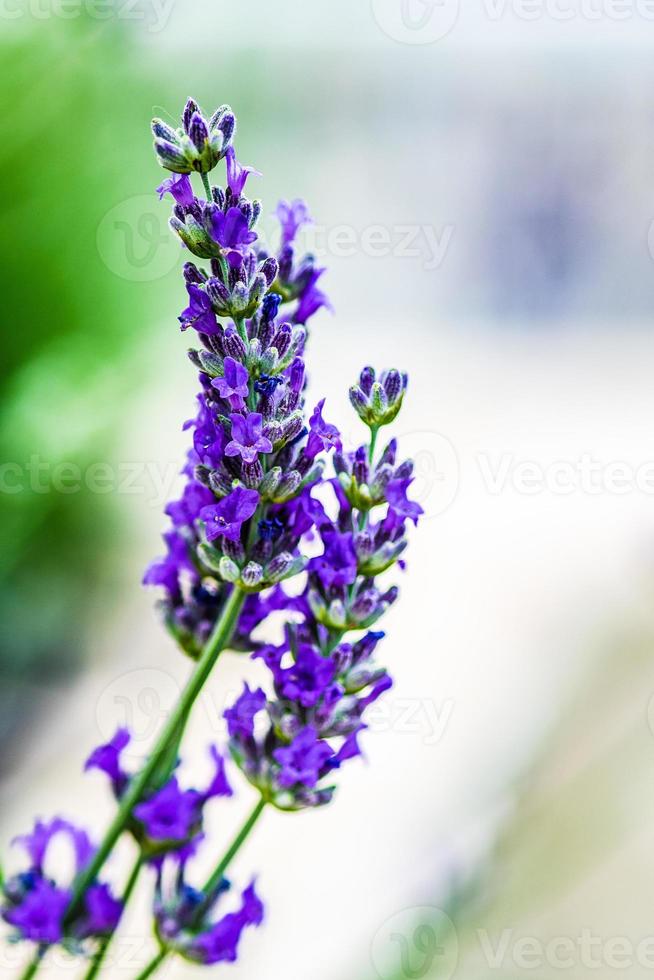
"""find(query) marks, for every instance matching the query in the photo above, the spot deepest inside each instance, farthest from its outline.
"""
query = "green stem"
(374, 431)
(32, 968)
(153, 965)
(216, 643)
(207, 187)
(239, 323)
(213, 881)
(101, 953)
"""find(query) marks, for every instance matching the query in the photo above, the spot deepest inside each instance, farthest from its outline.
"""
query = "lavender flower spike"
(269, 492)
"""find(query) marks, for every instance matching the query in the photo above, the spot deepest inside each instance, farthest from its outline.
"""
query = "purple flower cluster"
(36, 905)
(168, 818)
(253, 448)
(289, 744)
(185, 921)
(256, 510)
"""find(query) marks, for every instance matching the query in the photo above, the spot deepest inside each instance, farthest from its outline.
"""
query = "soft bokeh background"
(483, 190)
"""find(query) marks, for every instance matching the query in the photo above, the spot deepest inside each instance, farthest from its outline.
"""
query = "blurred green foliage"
(78, 146)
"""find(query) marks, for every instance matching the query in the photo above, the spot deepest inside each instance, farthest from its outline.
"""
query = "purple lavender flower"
(247, 440)
(38, 907)
(240, 717)
(396, 494)
(312, 299)
(185, 919)
(237, 174)
(338, 564)
(199, 313)
(322, 435)
(40, 916)
(230, 230)
(179, 187)
(219, 943)
(320, 685)
(102, 912)
(303, 761)
(194, 497)
(226, 518)
(106, 758)
(307, 679)
(233, 386)
(292, 217)
(170, 814)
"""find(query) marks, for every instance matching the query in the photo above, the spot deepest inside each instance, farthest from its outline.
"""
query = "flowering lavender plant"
(256, 493)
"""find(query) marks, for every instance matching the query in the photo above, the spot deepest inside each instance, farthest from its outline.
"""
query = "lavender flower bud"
(283, 566)
(288, 486)
(240, 299)
(234, 346)
(162, 131)
(358, 400)
(364, 606)
(286, 262)
(360, 467)
(192, 273)
(233, 549)
(202, 474)
(210, 557)
(171, 157)
(392, 385)
(252, 474)
(269, 361)
(270, 307)
(378, 400)
(220, 483)
(282, 339)
(252, 575)
(269, 270)
(366, 379)
(211, 363)
(296, 375)
(198, 131)
(270, 482)
(224, 121)
(389, 454)
(257, 290)
(190, 109)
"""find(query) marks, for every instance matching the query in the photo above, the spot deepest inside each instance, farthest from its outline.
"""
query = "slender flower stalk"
(214, 647)
(103, 949)
(153, 965)
(269, 495)
(214, 881)
(32, 967)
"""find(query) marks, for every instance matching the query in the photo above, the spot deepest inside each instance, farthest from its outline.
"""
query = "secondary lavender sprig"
(256, 494)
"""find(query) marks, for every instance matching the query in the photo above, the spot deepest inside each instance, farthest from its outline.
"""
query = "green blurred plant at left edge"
(71, 324)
